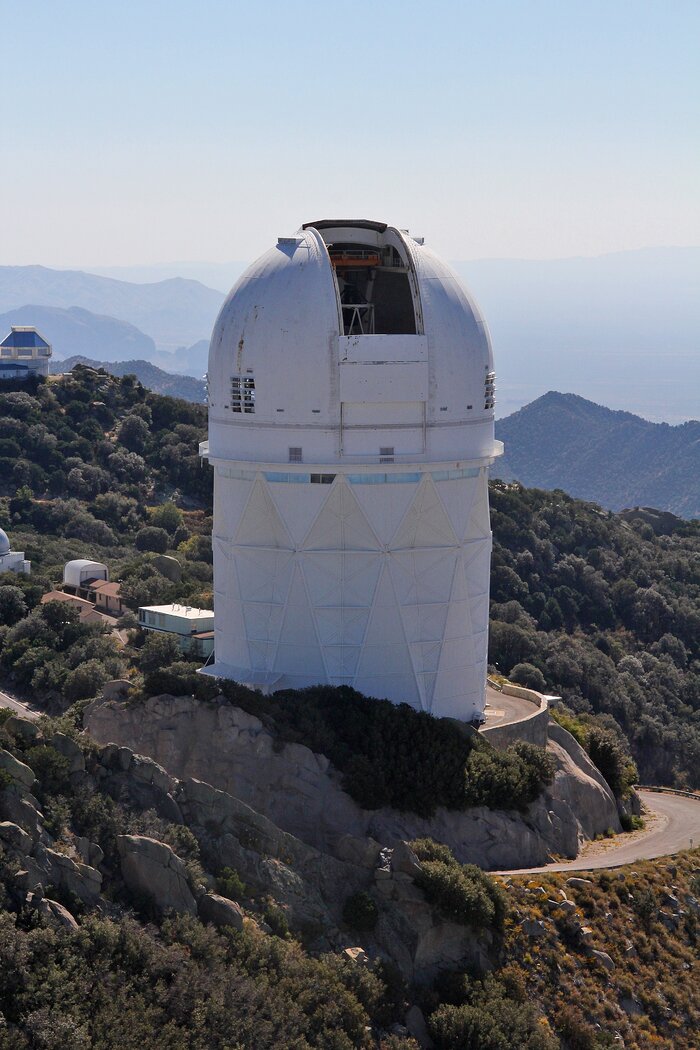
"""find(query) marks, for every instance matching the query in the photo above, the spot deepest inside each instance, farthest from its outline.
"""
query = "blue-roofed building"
(24, 352)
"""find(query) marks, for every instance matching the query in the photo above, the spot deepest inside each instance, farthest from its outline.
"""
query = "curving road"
(672, 824)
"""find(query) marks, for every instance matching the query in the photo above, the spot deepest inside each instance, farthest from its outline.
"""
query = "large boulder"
(581, 786)
(19, 806)
(71, 751)
(220, 910)
(302, 794)
(82, 880)
(15, 838)
(22, 728)
(150, 867)
(18, 771)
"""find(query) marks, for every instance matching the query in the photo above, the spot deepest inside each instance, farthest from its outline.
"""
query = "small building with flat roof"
(194, 628)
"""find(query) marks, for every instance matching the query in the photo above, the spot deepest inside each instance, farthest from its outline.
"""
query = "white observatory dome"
(351, 396)
(413, 350)
(4, 543)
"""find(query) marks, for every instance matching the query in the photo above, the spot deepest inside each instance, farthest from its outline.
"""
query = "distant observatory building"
(351, 396)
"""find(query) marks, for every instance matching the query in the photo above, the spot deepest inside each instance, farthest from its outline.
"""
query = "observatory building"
(351, 397)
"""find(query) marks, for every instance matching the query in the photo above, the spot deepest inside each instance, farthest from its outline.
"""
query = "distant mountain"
(172, 312)
(78, 331)
(221, 276)
(154, 378)
(622, 328)
(188, 359)
(614, 458)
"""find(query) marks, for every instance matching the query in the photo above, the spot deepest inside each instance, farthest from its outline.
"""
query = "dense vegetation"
(605, 612)
(89, 434)
(389, 754)
(596, 607)
(96, 466)
(128, 978)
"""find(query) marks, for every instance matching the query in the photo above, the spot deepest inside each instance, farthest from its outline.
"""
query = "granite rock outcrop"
(301, 793)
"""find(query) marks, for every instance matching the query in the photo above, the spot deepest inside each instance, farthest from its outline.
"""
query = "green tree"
(150, 538)
(12, 605)
(167, 516)
(158, 651)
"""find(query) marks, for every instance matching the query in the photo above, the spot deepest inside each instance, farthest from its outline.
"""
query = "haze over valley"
(622, 330)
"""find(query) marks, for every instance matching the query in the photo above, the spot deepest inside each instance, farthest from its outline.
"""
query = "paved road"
(501, 708)
(672, 822)
(17, 706)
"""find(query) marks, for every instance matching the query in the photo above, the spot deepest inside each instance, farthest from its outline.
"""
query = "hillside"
(585, 603)
(140, 907)
(75, 331)
(139, 910)
(561, 441)
(182, 386)
(606, 613)
(172, 312)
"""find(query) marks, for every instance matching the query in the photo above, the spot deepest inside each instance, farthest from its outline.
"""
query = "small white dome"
(4, 543)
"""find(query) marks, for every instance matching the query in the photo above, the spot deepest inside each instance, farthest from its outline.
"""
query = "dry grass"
(652, 941)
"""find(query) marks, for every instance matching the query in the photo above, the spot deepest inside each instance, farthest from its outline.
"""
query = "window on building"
(295, 455)
(243, 394)
(490, 390)
(322, 479)
(386, 454)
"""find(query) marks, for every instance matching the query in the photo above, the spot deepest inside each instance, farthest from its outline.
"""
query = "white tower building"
(351, 394)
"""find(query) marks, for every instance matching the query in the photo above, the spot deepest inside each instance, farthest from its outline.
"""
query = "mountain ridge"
(172, 312)
(74, 330)
(610, 456)
(149, 375)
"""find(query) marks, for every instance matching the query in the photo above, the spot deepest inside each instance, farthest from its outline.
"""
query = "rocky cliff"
(301, 793)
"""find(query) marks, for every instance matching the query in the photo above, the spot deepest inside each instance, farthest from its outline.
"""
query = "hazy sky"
(142, 131)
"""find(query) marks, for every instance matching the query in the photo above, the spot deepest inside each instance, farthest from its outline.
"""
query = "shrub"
(167, 516)
(151, 538)
(529, 676)
(489, 1020)
(610, 756)
(392, 755)
(645, 905)
(85, 681)
(50, 768)
(276, 920)
(429, 849)
(360, 912)
(462, 893)
(158, 651)
(230, 884)
(12, 605)
(179, 679)
(510, 779)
